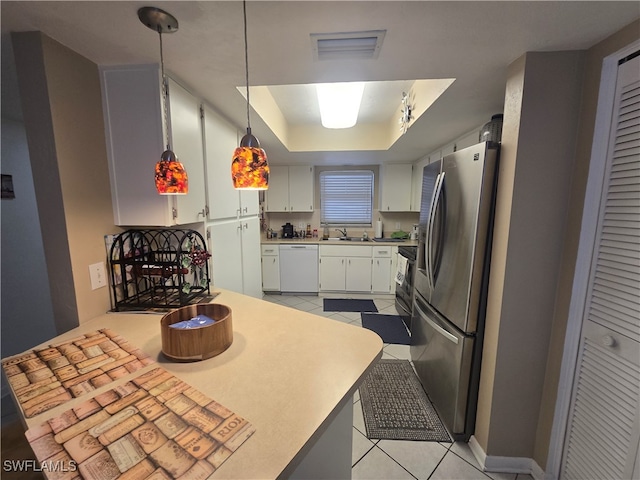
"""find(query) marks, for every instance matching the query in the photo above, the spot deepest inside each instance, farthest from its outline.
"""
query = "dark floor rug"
(391, 328)
(395, 406)
(348, 305)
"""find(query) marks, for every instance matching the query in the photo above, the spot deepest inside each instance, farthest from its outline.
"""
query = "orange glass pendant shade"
(171, 177)
(249, 168)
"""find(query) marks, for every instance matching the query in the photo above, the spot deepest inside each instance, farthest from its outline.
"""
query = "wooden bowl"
(200, 343)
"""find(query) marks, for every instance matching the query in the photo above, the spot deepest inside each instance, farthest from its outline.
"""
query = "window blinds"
(346, 197)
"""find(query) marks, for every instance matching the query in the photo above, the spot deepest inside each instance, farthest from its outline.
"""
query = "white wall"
(542, 106)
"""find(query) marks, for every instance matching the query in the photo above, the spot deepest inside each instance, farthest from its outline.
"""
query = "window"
(346, 197)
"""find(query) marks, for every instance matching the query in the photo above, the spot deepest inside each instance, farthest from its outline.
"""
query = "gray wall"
(27, 313)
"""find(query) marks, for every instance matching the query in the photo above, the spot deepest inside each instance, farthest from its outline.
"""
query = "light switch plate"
(98, 275)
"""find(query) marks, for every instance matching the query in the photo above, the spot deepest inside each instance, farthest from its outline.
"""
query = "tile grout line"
(398, 463)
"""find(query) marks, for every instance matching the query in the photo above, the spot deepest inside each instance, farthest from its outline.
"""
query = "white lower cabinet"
(345, 268)
(235, 255)
(270, 268)
(358, 274)
(332, 273)
(382, 269)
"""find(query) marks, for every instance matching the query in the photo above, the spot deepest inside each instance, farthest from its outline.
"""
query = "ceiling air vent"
(347, 46)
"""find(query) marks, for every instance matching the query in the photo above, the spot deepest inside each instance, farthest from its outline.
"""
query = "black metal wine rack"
(158, 269)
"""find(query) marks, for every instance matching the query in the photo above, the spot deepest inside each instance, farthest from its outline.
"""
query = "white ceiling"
(473, 42)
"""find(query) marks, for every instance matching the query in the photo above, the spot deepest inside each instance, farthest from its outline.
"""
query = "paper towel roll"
(378, 233)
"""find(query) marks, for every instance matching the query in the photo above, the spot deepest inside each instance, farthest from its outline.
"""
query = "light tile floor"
(397, 459)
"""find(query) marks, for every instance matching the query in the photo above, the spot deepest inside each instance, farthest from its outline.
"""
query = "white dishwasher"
(299, 268)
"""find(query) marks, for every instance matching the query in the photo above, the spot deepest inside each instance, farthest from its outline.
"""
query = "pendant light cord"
(164, 91)
(246, 61)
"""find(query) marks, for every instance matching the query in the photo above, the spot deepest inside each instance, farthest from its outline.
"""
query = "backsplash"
(391, 221)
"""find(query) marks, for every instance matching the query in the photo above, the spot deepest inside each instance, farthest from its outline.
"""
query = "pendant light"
(170, 176)
(249, 167)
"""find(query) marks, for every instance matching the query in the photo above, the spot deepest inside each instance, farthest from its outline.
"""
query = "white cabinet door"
(290, 189)
(270, 273)
(251, 271)
(381, 275)
(131, 98)
(301, 188)
(220, 139)
(277, 195)
(249, 203)
(134, 130)
(270, 268)
(395, 188)
(225, 245)
(235, 255)
(332, 274)
(358, 278)
(186, 135)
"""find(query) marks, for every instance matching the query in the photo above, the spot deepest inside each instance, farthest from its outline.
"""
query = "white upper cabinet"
(220, 140)
(290, 189)
(277, 196)
(186, 134)
(395, 187)
(301, 188)
(134, 128)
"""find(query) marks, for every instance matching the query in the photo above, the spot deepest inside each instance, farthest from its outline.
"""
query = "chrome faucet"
(343, 232)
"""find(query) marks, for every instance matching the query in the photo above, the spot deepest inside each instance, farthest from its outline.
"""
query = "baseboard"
(492, 463)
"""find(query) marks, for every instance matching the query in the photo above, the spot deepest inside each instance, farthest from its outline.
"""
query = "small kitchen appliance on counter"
(414, 232)
(287, 230)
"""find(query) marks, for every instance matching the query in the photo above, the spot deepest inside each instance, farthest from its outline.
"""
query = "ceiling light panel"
(339, 103)
(347, 45)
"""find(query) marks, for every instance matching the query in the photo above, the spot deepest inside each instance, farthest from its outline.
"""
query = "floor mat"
(395, 406)
(348, 305)
(391, 328)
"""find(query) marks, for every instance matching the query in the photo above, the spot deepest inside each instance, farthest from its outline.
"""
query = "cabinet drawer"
(270, 250)
(381, 252)
(345, 251)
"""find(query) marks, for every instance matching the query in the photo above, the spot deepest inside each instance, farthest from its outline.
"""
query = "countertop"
(287, 372)
(320, 241)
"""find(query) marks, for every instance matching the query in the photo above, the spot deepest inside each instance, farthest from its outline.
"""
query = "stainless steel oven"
(404, 290)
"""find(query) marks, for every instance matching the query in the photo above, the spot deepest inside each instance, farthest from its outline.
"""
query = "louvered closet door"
(604, 421)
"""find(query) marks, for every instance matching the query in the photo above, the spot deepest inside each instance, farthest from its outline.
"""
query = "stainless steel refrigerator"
(451, 279)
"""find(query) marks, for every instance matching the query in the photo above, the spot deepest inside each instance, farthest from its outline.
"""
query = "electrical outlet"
(98, 275)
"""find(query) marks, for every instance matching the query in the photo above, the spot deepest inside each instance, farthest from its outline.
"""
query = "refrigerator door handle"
(427, 243)
(429, 240)
(435, 326)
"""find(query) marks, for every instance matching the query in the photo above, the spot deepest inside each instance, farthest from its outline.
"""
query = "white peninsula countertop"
(289, 373)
